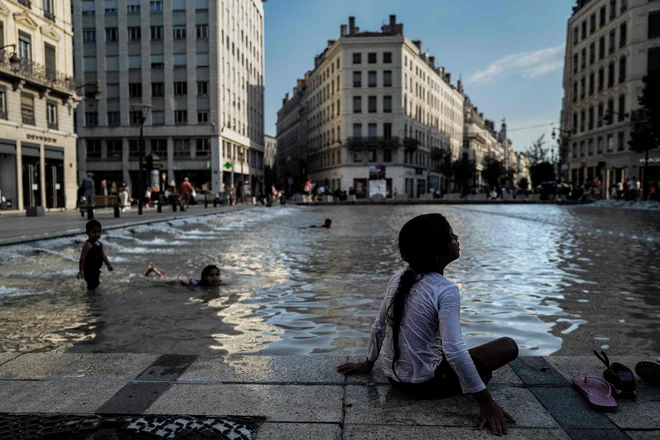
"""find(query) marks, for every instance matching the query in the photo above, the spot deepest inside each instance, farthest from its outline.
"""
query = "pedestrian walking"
(124, 197)
(185, 192)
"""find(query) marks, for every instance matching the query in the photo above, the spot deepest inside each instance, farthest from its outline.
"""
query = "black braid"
(422, 241)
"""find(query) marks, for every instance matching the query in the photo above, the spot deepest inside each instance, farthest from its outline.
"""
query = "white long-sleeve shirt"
(430, 328)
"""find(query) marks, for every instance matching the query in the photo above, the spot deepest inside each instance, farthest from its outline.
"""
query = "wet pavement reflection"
(557, 279)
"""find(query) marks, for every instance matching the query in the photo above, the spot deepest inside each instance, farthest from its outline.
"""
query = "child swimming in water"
(326, 225)
(210, 276)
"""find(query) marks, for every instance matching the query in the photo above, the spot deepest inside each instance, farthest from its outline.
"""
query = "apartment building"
(480, 140)
(375, 107)
(611, 45)
(37, 100)
(190, 71)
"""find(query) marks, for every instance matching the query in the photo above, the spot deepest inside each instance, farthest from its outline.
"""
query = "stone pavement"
(305, 398)
(16, 228)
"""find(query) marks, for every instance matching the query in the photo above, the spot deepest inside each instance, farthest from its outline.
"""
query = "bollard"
(215, 203)
(160, 204)
(90, 212)
(206, 202)
(117, 210)
(173, 205)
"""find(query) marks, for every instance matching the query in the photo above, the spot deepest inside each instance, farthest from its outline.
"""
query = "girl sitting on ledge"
(419, 321)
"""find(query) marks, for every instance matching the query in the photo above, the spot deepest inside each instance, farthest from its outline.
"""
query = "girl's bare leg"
(496, 354)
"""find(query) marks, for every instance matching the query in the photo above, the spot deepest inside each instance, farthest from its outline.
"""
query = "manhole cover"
(27, 427)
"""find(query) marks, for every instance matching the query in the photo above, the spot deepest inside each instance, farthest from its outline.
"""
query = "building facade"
(480, 140)
(374, 108)
(37, 100)
(270, 149)
(611, 45)
(195, 68)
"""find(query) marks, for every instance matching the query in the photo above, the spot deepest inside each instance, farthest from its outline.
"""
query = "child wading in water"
(326, 225)
(92, 256)
(210, 276)
(419, 324)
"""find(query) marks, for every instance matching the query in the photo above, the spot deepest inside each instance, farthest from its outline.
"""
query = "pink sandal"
(597, 392)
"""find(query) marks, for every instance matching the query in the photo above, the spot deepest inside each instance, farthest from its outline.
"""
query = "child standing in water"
(419, 327)
(92, 256)
(210, 276)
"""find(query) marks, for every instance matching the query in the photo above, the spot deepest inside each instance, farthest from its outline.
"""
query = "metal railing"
(49, 15)
(27, 119)
(4, 115)
(26, 3)
(52, 125)
(37, 73)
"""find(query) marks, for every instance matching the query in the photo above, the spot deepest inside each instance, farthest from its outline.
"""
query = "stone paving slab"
(644, 435)
(278, 403)
(265, 369)
(570, 409)
(69, 397)
(643, 413)
(382, 405)
(379, 432)
(38, 366)
(537, 371)
(299, 431)
(504, 375)
(571, 366)
(597, 434)
(6, 357)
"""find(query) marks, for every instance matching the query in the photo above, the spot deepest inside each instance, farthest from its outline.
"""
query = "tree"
(646, 135)
(523, 183)
(542, 172)
(536, 153)
(463, 171)
(493, 170)
(446, 167)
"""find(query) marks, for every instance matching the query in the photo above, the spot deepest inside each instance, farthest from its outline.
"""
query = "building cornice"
(4, 10)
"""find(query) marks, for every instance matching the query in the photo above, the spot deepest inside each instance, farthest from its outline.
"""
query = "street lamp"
(96, 82)
(144, 112)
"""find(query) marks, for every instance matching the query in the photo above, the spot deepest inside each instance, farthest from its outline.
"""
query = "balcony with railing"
(49, 15)
(36, 74)
(52, 125)
(26, 3)
(372, 141)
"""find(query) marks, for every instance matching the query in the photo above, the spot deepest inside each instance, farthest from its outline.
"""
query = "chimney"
(331, 42)
(441, 71)
(351, 25)
(460, 86)
(481, 115)
(392, 20)
(448, 76)
(432, 60)
(418, 43)
(343, 30)
(357, 30)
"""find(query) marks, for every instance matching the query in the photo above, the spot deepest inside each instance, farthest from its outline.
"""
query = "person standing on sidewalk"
(124, 197)
(185, 193)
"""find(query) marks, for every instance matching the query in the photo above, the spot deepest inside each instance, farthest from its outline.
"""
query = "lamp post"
(13, 59)
(144, 112)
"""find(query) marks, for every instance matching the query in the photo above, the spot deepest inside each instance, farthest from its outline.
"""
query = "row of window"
(372, 130)
(592, 20)
(134, 7)
(579, 149)
(27, 109)
(593, 87)
(623, 38)
(115, 149)
(157, 61)
(156, 33)
(373, 104)
(372, 77)
(135, 118)
(158, 89)
(372, 58)
(589, 119)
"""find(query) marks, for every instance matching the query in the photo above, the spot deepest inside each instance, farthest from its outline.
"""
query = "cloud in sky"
(527, 64)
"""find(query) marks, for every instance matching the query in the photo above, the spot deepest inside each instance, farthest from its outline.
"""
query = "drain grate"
(28, 427)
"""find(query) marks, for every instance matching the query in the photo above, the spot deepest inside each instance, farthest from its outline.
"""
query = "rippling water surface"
(558, 279)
